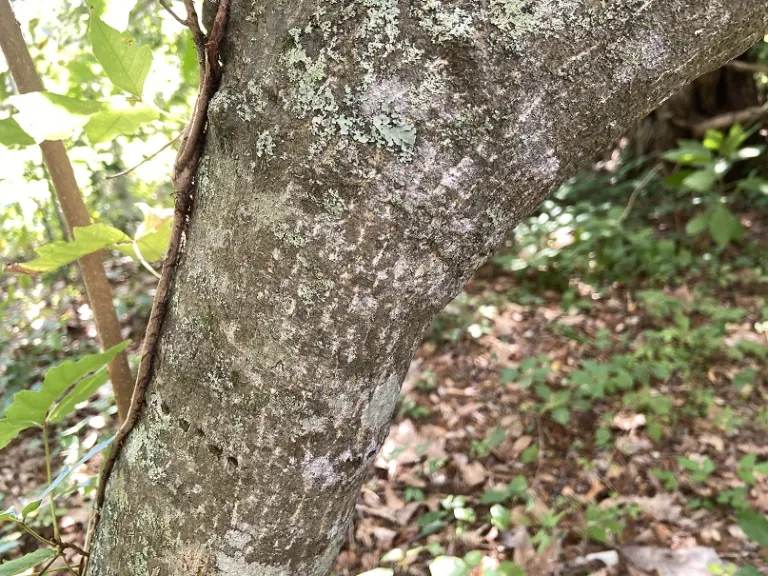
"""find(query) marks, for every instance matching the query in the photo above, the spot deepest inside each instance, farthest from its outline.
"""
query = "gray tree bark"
(364, 157)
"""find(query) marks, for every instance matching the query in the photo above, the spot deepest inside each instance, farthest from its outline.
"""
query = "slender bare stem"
(145, 160)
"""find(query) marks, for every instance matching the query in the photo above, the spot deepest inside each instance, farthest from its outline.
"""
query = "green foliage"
(755, 525)
(49, 116)
(699, 469)
(604, 525)
(147, 245)
(482, 448)
(26, 562)
(124, 63)
(34, 407)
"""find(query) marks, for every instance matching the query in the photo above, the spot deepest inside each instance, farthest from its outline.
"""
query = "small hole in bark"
(165, 408)
(232, 463)
(199, 432)
(215, 450)
(183, 424)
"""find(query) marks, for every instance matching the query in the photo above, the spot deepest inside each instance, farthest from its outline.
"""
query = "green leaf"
(9, 514)
(9, 429)
(747, 571)
(753, 184)
(494, 497)
(29, 407)
(88, 239)
(190, 69)
(561, 415)
(49, 116)
(119, 118)
(124, 63)
(697, 224)
(736, 137)
(80, 393)
(473, 558)
(154, 233)
(689, 153)
(724, 226)
(755, 525)
(530, 454)
(11, 134)
(31, 507)
(448, 566)
(713, 139)
(700, 180)
(509, 569)
(26, 562)
(500, 516)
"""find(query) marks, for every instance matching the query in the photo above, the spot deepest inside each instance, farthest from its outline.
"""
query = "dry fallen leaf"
(664, 562)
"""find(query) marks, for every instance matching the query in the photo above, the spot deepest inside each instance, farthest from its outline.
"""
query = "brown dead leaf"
(521, 444)
(684, 562)
(474, 474)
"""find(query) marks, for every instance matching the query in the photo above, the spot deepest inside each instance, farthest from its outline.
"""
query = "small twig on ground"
(640, 185)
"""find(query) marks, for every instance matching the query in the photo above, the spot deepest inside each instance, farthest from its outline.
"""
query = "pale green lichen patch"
(265, 146)
(444, 21)
(517, 19)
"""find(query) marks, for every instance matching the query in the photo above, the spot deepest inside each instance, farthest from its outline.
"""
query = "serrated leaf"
(124, 63)
(724, 226)
(87, 239)
(119, 118)
(49, 116)
(26, 562)
(755, 525)
(448, 566)
(30, 407)
(12, 135)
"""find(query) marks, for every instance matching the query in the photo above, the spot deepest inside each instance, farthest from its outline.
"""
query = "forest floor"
(619, 431)
(616, 421)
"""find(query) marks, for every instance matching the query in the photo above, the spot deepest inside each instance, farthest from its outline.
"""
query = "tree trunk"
(363, 158)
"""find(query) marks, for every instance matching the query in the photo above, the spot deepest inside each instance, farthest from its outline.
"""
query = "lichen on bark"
(363, 158)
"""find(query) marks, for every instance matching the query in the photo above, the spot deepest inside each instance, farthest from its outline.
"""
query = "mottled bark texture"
(364, 157)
